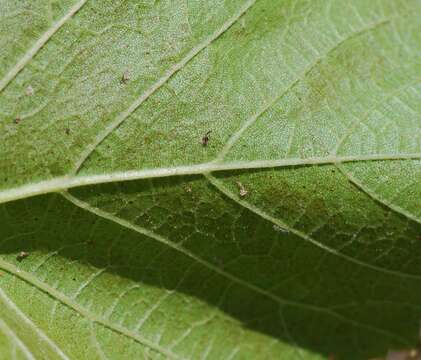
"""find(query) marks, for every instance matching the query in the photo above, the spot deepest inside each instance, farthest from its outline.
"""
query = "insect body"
(243, 191)
(125, 78)
(22, 255)
(205, 139)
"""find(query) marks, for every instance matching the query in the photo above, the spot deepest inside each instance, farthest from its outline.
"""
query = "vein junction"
(66, 182)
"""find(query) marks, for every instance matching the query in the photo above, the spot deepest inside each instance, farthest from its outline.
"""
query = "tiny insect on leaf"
(125, 78)
(22, 255)
(205, 138)
(243, 191)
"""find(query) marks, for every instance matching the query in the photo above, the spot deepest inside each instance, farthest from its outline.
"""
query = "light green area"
(294, 234)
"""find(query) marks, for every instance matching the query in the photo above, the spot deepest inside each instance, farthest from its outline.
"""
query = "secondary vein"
(214, 268)
(218, 185)
(158, 84)
(65, 300)
(27, 57)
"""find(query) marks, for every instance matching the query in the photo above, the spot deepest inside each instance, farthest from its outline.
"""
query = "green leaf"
(209, 179)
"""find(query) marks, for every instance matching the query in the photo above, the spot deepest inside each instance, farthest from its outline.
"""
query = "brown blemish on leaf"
(22, 255)
(205, 139)
(17, 120)
(243, 191)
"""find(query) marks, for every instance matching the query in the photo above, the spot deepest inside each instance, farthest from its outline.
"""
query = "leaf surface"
(293, 234)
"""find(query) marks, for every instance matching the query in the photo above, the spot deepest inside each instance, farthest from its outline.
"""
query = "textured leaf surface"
(294, 234)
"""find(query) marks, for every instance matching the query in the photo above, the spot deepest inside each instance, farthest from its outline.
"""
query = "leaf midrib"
(62, 183)
(73, 180)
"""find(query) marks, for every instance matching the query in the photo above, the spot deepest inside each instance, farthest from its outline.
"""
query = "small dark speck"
(67, 131)
(17, 120)
(22, 255)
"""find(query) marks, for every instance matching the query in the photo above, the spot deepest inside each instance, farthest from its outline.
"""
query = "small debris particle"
(29, 91)
(279, 229)
(22, 255)
(125, 78)
(205, 139)
(17, 120)
(188, 189)
(243, 191)
(67, 131)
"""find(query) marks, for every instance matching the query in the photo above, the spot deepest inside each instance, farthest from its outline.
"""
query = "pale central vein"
(62, 183)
